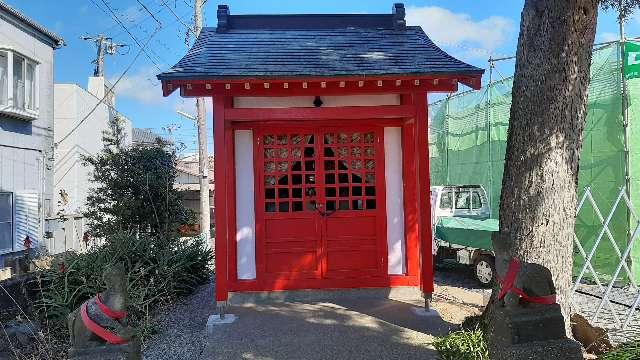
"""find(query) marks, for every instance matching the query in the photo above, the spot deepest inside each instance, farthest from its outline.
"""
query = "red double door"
(320, 207)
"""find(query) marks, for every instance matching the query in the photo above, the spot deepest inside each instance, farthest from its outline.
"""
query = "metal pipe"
(625, 117)
(594, 45)
(492, 64)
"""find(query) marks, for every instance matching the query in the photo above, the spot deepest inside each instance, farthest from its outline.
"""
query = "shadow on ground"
(343, 329)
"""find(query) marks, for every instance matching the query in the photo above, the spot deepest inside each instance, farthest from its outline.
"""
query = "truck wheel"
(485, 270)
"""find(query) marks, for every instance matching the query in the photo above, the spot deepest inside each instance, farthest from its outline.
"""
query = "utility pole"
(104, 45)
(203, 154)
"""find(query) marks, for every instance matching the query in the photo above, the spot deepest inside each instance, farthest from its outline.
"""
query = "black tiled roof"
(271, 46)
(145, 136)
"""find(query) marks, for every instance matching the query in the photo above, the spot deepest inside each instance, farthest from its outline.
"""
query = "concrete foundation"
(420, 311)
(534, 332)
(397, 293)
(549, 350)
(216, 320)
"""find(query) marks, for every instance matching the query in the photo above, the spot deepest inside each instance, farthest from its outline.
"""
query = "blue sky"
(469, 30)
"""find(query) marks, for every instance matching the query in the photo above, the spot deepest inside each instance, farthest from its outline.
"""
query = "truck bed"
(467, 232)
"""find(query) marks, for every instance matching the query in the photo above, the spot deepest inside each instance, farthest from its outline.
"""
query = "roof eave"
(470, 78)
(18, 18)
(167, 76)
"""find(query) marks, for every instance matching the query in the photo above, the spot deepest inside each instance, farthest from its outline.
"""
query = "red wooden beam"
(222, 233)
(294, 124)
(232, 247)
(410, 188)
(319, 85)
(316, 88)
(321, 113)
(424, 197)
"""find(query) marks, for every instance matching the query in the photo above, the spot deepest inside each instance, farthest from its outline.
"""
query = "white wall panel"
(395, 200)
(245, 205)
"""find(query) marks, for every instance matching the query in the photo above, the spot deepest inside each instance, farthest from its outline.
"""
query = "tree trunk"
(538, 200)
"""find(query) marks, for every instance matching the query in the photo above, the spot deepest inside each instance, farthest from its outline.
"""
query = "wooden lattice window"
(289, 172)
(349, 164)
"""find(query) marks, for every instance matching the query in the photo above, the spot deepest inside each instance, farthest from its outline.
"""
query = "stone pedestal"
(532, 332)
(107, 352)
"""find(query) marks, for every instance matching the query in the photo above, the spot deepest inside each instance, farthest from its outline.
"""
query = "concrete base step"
(406, 293)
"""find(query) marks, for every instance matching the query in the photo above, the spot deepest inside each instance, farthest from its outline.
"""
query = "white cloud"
(186, 105)
(141, 86)
(458, 30)
(608, 36)
(133, 13)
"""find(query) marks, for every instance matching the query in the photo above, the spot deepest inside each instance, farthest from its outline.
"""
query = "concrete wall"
(78, 132)
(26, 146)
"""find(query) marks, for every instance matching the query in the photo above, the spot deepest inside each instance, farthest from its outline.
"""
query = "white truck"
(462, 228)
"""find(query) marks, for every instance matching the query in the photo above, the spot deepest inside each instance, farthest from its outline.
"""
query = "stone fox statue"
(101, 321)
(523, 283)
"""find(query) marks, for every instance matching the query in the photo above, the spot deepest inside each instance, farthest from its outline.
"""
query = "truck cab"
(468, 201)
(462, 228)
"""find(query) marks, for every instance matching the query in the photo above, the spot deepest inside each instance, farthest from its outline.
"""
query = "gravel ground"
(588, 305)
(462, 276)
(355, 329)
(457, 275)
(181, 328)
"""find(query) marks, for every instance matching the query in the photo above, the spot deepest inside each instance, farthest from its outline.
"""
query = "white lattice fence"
(609, 300)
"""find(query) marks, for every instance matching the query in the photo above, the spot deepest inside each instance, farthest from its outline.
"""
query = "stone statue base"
(531, 332)
(566, 349)
(107, 352)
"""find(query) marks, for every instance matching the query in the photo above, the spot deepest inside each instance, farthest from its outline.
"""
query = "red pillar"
(424, 197)
(220, 176)
(410, 188)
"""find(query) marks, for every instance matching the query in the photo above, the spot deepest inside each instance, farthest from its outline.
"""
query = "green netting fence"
(467, 142)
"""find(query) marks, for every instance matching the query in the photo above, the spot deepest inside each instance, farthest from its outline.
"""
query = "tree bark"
(538, 200)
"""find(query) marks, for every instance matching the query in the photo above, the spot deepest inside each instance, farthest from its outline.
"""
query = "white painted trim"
(9, 79)
(307, 101)
(395, 200)
(245, 205)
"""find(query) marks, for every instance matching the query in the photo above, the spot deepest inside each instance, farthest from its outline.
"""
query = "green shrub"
(159, 269)
(627, 351)
(463, 345)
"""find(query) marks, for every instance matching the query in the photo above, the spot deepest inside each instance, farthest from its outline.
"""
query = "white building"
(26, 129)
(80, 120)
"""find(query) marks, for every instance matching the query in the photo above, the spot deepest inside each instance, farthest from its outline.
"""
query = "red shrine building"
(321, 142)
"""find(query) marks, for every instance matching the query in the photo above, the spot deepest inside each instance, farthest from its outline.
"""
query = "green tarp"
(467, 232)
(631, 60)
(467, 142)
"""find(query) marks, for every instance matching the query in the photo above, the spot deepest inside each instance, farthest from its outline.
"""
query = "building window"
(24, 93)
(4, 74)
(18, 84)
(6, 221)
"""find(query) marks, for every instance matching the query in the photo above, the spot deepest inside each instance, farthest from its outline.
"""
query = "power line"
(150, 13)
(117, 20)
(177, 17)
(110, 91)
